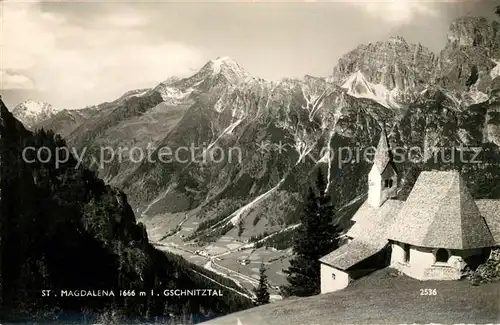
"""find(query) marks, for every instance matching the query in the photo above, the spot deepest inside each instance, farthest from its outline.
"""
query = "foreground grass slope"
(381, 299)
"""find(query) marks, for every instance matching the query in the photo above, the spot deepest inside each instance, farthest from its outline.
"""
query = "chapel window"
(442, 255)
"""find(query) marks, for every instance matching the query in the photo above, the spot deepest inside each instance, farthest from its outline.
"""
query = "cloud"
(88, 64)
(126, 20)
(14, 81)
(397, 11)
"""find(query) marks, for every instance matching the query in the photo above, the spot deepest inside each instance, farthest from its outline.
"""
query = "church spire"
(383, 154)
(383, 178)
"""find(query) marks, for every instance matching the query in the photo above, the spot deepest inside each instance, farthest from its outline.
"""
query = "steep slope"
(292, 113)
(465, 66)
(143, 120)
(64, 122)
(62, 228)
(358, 86)
(473, 44)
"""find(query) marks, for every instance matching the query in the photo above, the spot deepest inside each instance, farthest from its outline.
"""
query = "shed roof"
(350, 254)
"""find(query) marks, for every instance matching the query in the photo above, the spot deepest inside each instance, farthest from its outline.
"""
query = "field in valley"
(227, 256)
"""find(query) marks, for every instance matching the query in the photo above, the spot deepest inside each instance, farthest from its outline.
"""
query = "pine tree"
(473, 77)
(262, 290)
(241, 227)
(316, 237)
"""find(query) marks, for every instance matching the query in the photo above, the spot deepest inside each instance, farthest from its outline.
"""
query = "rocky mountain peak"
(223, 61)
(397, 40)
(31, 112)
(468, 59)
(399, 71)
(473, 31)
(393, 65)
(227, 67)
(218, 72)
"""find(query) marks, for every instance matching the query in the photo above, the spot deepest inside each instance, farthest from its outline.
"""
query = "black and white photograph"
(249, 162)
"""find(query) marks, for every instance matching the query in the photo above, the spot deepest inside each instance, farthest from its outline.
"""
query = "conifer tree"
(241, 227)
(262, 290)
(316, 237)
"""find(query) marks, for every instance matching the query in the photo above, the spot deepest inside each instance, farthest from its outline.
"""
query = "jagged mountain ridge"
(406, 86)
(401, 68)
(67, 120)
(464, 66)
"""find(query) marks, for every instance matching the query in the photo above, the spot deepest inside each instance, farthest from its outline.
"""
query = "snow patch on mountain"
(314, 101)
(495, 72)
(303, 146)
(217, 63)
(230, 69)
(134, 93)
(219, 105)
(141, 93)
(358, 86)
(228, 130)
(474, 97)
(173, 95)
(30, 112)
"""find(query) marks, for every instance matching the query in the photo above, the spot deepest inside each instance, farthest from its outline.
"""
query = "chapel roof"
(441, 213)
(371, 224)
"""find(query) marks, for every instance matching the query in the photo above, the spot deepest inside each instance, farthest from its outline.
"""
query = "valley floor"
(381, 299)
(223, 256)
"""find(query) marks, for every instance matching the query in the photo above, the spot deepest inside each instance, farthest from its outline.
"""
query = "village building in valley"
(432, 235)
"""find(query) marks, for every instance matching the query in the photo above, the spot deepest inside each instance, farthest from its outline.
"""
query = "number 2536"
(428, 292)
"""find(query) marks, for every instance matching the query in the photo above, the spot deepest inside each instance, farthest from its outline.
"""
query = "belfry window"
(388, 183)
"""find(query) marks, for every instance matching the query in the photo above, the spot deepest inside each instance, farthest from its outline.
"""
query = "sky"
(74, 54)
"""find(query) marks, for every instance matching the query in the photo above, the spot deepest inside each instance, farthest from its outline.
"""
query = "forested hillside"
(63, 228)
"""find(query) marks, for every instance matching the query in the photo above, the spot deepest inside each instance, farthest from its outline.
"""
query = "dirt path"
(224, 286)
